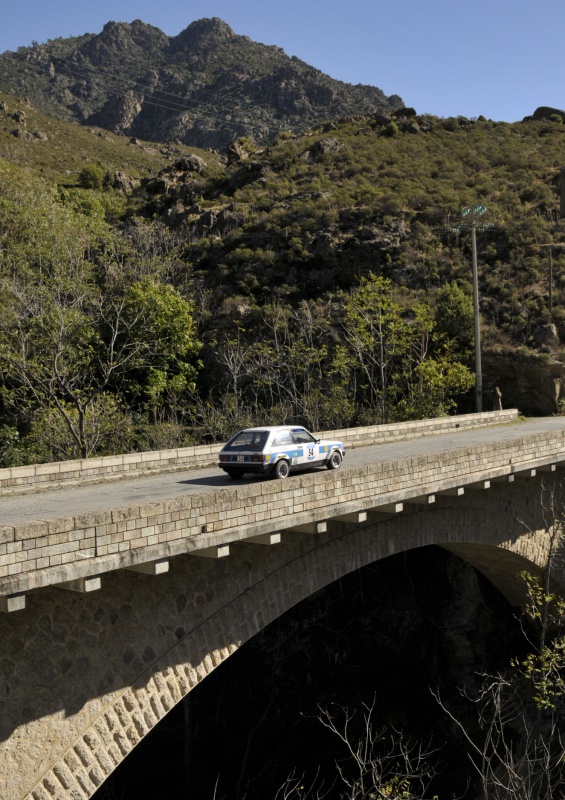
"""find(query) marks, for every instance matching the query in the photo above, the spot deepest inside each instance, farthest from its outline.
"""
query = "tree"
(432, 375)
(290, 363)
(391, 129)
(431, 393)
(378, 339)
(377, 764)
(400, 367)
(64, 343)
(278, 367)
(108, 429)
(454, 316)
(157, 323)
(41, 234)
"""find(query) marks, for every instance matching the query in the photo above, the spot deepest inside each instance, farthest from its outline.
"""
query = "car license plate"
(241, 458)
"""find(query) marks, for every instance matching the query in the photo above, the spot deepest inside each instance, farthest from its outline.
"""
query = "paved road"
(69, 502)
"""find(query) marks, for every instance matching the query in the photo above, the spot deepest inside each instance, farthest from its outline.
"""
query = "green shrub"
(92, 177)
(391, 130)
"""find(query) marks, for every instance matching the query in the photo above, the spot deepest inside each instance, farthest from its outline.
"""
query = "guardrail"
(35, 477)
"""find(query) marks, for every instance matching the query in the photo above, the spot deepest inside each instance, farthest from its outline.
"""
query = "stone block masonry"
(86, 676)
(42, 553)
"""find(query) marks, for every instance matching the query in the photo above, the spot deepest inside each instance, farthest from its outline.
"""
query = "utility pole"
(477, 315)
(550, 298)
(551, 246)
(469, 221)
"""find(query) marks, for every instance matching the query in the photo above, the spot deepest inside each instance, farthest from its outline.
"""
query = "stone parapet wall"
(46, 552)
(400, 431)
(42, 476)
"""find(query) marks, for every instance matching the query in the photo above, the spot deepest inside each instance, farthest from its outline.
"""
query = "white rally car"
(277, 451)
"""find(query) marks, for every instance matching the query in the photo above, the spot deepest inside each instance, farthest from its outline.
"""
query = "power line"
(151, 98)
(82, 72)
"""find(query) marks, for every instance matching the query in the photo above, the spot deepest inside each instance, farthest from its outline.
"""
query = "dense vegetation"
(323, 279)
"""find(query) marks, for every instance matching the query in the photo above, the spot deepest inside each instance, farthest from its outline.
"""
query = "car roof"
(271, 428)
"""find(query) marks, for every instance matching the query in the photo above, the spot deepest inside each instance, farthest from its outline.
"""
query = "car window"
(248, 440)
(302, 436)
(282, 438)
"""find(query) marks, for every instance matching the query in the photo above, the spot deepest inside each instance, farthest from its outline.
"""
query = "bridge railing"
(15, 480)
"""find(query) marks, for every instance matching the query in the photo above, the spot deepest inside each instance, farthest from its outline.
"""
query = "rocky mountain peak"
(119, 40)
(203, 33)
(124, 34)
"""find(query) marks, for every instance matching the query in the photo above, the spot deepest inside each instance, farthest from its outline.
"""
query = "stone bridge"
(163, 592)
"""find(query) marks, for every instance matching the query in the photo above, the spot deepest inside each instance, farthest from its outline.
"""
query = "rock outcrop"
(546, 112)
(533, 383)
(205, 87)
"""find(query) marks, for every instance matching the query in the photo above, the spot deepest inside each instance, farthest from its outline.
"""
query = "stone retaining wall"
(42, 476)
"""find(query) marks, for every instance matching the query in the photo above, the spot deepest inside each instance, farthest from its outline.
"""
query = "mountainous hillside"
(323, 278)
(203, 87)
(58, 150)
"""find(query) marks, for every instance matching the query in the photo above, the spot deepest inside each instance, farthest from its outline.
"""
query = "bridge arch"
(93, 674)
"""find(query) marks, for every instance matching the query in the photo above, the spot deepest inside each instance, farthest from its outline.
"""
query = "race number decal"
(310, 455)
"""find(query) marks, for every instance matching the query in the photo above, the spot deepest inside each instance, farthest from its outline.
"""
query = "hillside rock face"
(533, 383)
(204, 87)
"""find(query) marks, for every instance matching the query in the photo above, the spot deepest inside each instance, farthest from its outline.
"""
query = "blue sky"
(499, 58)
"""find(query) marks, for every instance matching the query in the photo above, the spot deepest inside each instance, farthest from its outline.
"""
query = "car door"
(307, 446)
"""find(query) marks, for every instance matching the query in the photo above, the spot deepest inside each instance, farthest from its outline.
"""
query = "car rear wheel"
(334, 461)
(234, 474)
(282, 469)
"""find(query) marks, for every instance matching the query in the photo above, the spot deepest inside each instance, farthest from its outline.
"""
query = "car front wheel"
(334, 461)
(282, 469)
